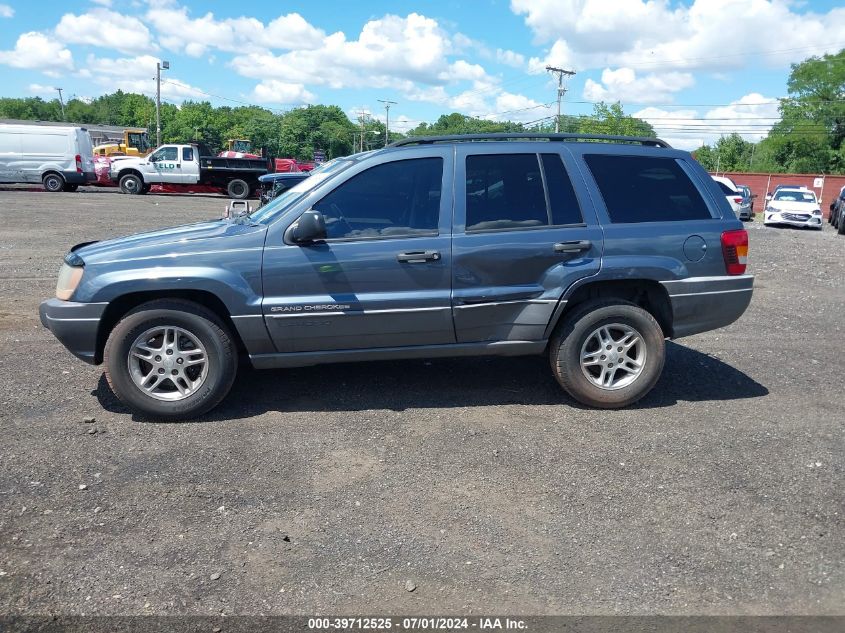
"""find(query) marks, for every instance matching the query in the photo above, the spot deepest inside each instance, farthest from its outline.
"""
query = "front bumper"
(804, 220)
(75, 325)
(700, 304)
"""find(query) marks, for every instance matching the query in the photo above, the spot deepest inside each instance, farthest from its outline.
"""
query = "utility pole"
(387, 105)
(362, 116)
(560, 72)
(159, 67)
(62, 102)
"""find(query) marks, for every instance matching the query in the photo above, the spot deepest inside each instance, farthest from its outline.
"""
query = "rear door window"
(518, 191)
(646, 189)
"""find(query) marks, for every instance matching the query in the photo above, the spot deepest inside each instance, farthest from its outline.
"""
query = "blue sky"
(694, 69)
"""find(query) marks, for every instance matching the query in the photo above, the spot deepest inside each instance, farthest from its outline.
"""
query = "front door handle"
(418, 257)
(574, 246)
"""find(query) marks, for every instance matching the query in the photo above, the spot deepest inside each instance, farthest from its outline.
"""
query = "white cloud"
(37, 51)
(6, 11)
(137, 74)
(623, 84)
(106, 29)
(652, 34)
(388, 50)
(510, 58)
(280, 92)
(517, 107)
(194, 36)
(41, 89)
(751, 116)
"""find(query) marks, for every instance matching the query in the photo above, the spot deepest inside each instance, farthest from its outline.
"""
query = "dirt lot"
(326, 489)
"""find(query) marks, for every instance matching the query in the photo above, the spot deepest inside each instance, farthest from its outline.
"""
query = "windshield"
(318, 176)
(795, 196)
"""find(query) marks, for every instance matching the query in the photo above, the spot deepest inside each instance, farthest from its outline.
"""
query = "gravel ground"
(336, 489)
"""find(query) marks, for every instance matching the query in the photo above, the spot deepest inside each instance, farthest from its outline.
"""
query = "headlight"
(69, 278)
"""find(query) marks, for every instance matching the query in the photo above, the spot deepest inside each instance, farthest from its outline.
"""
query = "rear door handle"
(574, 246)
(418, 257)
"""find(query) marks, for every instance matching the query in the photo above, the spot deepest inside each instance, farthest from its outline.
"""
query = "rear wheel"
(608, 353)
(131, 184)
(840, 225)
(170, 359)
(53, 182)
(238, 189)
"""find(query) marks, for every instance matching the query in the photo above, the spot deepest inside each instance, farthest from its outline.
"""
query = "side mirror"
(152, 158)
(309, 228)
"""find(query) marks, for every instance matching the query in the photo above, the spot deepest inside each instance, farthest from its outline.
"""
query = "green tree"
(729, 153)
(809, 137)
(456, 123)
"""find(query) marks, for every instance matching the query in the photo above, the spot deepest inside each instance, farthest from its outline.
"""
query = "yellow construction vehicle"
(239, 145)
(136, 142)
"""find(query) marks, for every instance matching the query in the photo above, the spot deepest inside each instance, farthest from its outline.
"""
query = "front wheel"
(170, 359)
(131, 184)
(608, 353)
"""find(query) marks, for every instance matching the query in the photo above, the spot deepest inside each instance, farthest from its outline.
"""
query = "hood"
(127, 161)
(218, 235)
(794, 205)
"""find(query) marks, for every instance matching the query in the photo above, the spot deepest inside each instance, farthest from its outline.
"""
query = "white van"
(61, 158)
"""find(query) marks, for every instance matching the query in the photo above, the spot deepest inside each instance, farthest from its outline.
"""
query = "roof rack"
(510, 136)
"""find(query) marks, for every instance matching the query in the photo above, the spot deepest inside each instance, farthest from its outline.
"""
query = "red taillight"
(78, 164)
(738, 199)
(735, 251)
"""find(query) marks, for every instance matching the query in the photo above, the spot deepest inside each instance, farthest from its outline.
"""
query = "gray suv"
(590, 249)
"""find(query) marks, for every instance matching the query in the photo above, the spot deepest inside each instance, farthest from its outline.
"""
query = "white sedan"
(795, 207)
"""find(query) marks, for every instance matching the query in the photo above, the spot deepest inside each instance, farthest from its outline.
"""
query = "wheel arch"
(131, 170)
(121, 305)
(648, 294)
(53, 172)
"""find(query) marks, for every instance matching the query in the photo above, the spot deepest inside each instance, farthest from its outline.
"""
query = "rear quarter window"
(646, 189)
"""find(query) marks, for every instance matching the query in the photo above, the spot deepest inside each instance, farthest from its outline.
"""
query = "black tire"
(575, 330)
(70, 187)
(146, 189)
(221, 354)
(238, 189)
(840, 225)
(131, 184)
(53, 182)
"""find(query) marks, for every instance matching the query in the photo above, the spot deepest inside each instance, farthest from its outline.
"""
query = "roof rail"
(510, 136)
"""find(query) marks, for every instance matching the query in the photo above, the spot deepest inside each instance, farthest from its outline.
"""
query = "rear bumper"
(75, 325)
(77, 178)
(700, 304)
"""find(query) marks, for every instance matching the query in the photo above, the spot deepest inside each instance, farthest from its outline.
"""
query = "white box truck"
(60, 158)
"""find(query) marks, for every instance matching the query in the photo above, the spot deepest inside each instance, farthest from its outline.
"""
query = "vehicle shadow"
(689, 375)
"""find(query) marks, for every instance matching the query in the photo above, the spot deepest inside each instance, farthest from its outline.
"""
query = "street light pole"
(62, 103)
(159, 66)
(387, 105)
